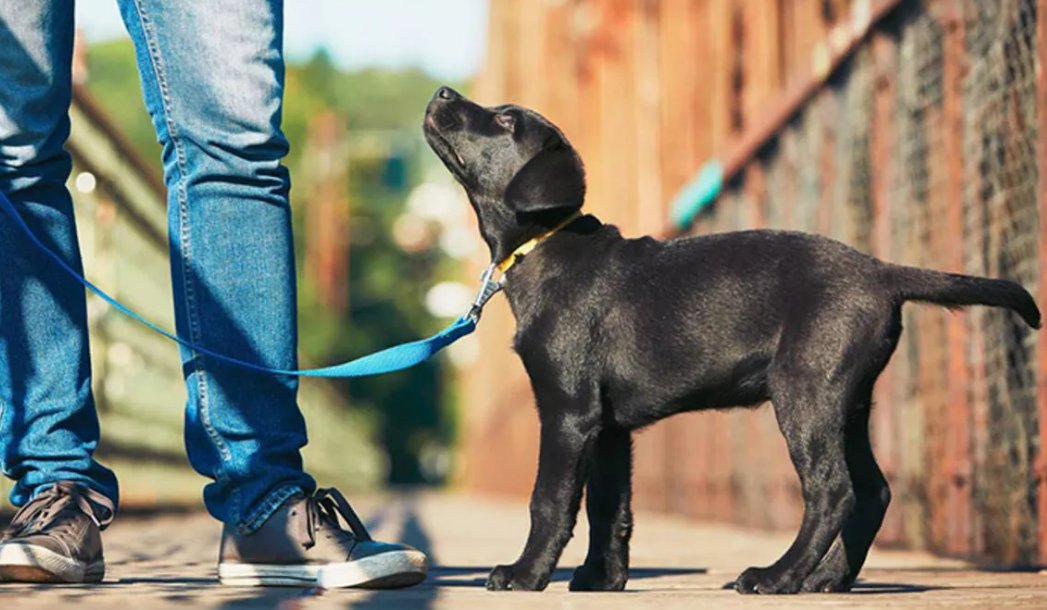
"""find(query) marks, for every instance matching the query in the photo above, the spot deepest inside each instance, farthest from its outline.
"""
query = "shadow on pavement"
(282, 599)
(414, 534)
(151, 580)
(454, 576)
(873, 588)
(883, 587)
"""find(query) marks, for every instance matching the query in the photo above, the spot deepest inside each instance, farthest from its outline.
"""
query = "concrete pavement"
(169, 562)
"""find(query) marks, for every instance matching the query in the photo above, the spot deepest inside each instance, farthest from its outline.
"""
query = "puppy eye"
(506, 121)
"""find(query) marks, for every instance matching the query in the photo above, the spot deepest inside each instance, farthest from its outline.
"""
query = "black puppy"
(618, 333)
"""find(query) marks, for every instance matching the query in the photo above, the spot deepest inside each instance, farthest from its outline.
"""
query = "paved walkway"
(169, 562)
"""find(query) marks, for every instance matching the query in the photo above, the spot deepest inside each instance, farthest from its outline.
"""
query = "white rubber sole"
(28, 563)
(391, 570)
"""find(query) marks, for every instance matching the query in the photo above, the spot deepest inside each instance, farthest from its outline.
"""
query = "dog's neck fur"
(530, 285)
(504, 230)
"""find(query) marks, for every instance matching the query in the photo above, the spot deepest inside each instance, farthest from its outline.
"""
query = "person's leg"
(48, 425)
(213, 76)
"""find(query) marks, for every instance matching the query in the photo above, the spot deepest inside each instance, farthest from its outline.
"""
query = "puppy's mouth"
(457, 157)
(443, 146)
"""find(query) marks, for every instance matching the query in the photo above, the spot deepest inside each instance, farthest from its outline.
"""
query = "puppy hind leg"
(841, 565)
(608, 497)
(813, 426)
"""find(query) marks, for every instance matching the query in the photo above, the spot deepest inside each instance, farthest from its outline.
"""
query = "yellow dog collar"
(533, 243)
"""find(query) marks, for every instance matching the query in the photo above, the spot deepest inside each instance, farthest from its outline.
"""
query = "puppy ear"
(554, 178)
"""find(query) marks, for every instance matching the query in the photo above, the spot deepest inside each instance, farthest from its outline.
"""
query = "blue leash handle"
(389, 360)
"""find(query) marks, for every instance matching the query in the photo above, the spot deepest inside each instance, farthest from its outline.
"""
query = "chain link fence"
(923, 149)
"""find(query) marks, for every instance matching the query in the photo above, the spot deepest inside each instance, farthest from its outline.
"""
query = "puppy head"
(517, 168)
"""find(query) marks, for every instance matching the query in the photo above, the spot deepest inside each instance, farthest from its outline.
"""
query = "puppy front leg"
(607, 500)
(564, 456)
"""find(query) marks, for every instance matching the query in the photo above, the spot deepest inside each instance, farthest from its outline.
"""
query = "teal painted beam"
(697, 195)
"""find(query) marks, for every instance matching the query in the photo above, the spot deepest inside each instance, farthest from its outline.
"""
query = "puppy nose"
(446, 94)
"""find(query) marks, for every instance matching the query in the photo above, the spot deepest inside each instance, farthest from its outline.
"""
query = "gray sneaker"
(304, 545)
(56, 537)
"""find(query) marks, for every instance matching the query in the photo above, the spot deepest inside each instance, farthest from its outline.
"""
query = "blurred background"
(910, 129)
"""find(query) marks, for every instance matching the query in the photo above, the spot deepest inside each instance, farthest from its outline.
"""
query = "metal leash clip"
(488, 288)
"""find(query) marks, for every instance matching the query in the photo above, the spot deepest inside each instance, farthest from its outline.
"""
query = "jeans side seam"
(185, 246)
(3, 411)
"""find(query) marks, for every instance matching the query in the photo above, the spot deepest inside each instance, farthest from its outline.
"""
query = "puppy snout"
(446, 94)
(443, 110)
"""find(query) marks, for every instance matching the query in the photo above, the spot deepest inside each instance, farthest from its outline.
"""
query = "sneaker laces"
(324, 508)
(56, 500)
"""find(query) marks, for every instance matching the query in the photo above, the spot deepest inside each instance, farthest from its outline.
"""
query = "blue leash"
(392, 359)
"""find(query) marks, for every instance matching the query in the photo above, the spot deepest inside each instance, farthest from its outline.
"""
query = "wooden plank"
(824, 109)
(1041, 80)
(561, 50)
(761, 56)
(958, 444)
(718, 78)
(678, 68)
(650, 205)
(884, 419)
(932, 382)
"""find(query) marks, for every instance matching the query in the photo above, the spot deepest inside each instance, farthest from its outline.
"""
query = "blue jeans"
(212, 75)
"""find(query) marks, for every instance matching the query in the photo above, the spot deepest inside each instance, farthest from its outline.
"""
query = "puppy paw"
(589, 577)
(828, 579)
(833, 574)
(512, 578)
(765, 582)
(500, 579)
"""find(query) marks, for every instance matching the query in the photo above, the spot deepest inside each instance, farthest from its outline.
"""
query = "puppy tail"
(954, 291)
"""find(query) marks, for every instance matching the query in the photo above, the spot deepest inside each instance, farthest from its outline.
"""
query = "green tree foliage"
(113, 81)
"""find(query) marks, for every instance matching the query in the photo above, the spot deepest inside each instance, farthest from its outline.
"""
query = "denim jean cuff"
(270, 505)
